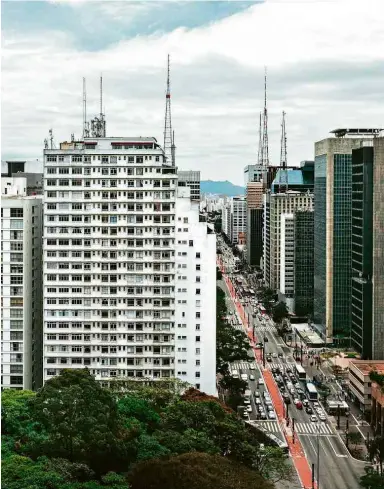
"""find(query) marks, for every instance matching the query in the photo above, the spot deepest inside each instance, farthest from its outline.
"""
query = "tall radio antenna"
(283, 183)
(264, 145)
(168, 121)
(260, 142)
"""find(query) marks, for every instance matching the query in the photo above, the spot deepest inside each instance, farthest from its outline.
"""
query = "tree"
(219, 275)
(371, 479)
(80, 419)
(376, 450)
(195, 471)
(279, 312)
(272, 464)
(353, 437)
(266, 296)
(132, 406)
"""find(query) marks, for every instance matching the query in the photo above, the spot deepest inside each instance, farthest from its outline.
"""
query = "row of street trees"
(75, 434)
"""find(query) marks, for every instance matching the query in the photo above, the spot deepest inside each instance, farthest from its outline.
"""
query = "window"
(198, 255)
(197, 338)
(198, 291)
(191, 242)
(17, 213)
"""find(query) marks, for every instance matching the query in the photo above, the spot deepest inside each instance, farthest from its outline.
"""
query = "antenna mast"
(173, 149)
(264, 146)
(260, 141)
(168, 143)
(98, 124)
(283, 183)
(85, 123)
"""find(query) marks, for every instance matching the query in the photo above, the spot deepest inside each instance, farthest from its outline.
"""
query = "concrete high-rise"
(190, 179)
(21, 289)
(125, 280)
(253, 173)
(235, 219)
(367, 314)
(254, 223)
(333, 233)
(304, 244)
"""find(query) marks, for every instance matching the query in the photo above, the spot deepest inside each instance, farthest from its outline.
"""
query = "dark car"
(288, 370)
(273, 370)
(309, 410)
(286, 398)
(280, 355)
(269, 359)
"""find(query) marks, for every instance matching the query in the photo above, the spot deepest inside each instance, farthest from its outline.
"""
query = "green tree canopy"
(195, 471)
(279, 312)
(80, 419)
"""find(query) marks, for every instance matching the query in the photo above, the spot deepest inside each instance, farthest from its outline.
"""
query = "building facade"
(366, 334)
(21, 294)
(190, 179)
(275, 206)
(333, 228)
(110, 286)
(195, 311)
(234, 222)
(254, 239)
(287, 260)
(253, 173)
(304, 263)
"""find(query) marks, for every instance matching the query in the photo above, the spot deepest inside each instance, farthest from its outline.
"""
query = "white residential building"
(21, 294)
(109, 261)
(191, 179)
(195, 332)
(234, 221)
(287, 259)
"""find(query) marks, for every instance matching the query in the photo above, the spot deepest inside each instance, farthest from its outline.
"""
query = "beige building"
(279, 204)
(359, 382)
(254, 195)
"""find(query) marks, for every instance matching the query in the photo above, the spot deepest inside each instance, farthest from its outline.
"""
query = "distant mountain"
(221, 188)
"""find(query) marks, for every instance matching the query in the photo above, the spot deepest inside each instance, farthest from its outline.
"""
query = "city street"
(320, 440)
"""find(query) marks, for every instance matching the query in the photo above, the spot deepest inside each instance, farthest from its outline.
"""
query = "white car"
(244, 377)
(260, 381)
(249, 409)
(271, 415)
(274, 355)
(252, 367)
(313, 418)
(322, 417)
(251, 377)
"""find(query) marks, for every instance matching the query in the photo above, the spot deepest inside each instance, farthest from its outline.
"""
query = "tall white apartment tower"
(195, 332)
(109, 259)
(21, 294)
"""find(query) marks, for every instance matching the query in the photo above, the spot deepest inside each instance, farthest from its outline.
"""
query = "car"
(251, 377)
(269, 359)
(245, 415)
(274, 370)
(280, 355)
(252, 366)
(305, 402)
(270, 407)
(286, 397)
(298, 404)
(313, 418)
(256, 394)
(257, 402)
(260, 381)
(288, 370)
(309, 410)
(274, 355)
(249, 409)
(316, 404)
(297, 385)
(244, 377)
(292, 391)
(263, 416)
(322, 417)
(268, 402)
(271, 415)
(266, 395)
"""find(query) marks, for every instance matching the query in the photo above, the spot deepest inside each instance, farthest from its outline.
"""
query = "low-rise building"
(360, 385)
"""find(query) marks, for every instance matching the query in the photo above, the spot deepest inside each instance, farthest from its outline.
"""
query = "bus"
(337, 407)
(300, 372)
(311, 391)
(247, 396)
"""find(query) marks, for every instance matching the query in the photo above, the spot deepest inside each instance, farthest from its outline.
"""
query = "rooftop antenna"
(167, 120)
(51, 139)
(101, 96)
(85, 123)
(98, 124)
(260, 142)
(264, 145)
(283, 183)
(173, 149)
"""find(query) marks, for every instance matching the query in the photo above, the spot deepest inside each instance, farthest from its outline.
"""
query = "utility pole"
(318, 457)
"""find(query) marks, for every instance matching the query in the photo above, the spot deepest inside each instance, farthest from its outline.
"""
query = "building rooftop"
(340, 133)
(301, 176)
(366, 366)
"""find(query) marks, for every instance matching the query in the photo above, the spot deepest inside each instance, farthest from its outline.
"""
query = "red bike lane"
(295, 448)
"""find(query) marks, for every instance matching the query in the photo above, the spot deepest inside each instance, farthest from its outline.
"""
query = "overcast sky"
(325, 64)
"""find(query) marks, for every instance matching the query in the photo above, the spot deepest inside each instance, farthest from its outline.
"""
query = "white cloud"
(323, 62)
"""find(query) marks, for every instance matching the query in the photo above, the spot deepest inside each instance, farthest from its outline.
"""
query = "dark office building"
(333, 232)
(367, 251)
(254, 236)
(304, 262)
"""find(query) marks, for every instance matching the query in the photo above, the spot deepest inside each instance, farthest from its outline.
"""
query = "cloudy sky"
(325, 64)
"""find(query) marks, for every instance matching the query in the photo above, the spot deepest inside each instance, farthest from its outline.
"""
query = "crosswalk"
(271, 329)
(281, 366)
(241, 365)
(313, 428)
(270, 426)
(239, 327)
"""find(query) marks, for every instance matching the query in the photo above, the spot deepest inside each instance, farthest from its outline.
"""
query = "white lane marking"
(339, 455)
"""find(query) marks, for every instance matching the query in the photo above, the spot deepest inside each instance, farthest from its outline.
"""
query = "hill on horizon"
(221, 188)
